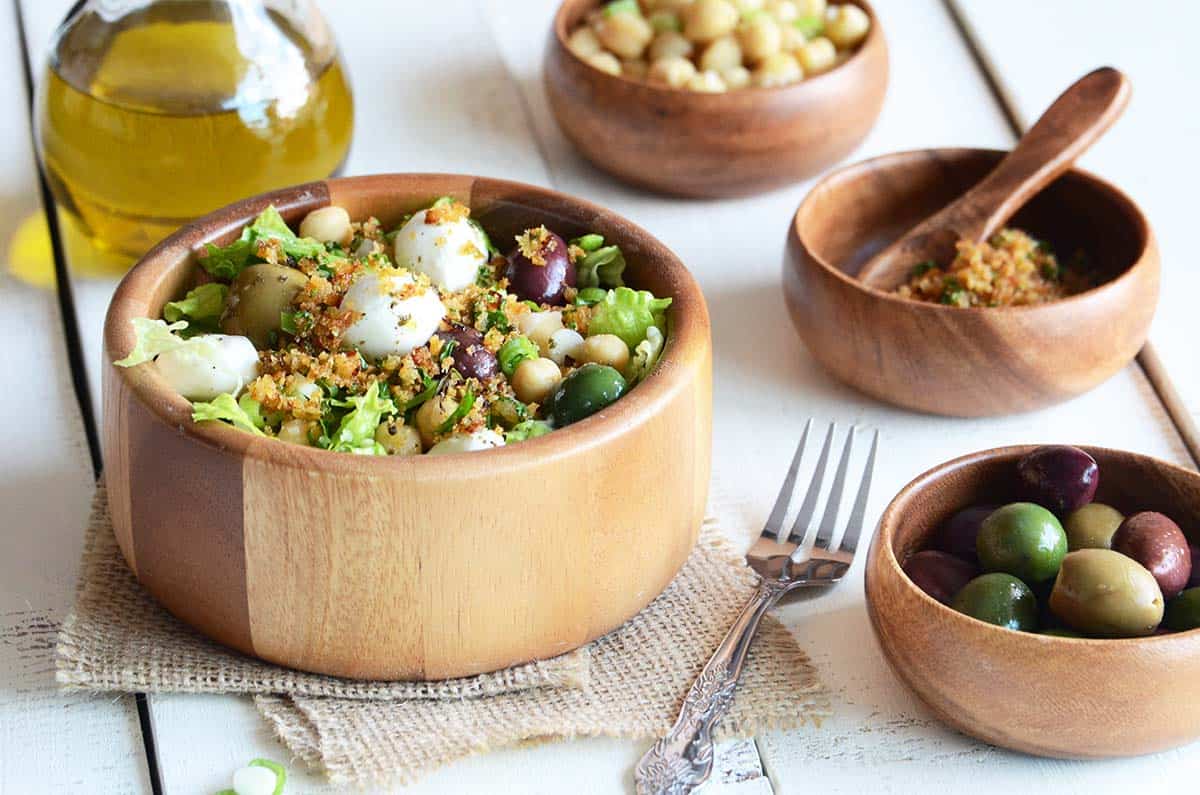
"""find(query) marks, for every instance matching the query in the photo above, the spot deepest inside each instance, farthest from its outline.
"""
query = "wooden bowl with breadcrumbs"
(410, 567)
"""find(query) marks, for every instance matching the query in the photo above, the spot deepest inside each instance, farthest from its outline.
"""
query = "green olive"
(1106, 594)
(257, 297)
(1092, 526)
(584, 392)
(1061, 632)
(1022, 539)
(999, 599)
(1183, 612)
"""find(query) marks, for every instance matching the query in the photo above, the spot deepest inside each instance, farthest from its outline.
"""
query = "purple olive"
(540, 269)
(1194, 580)
(939, 574)
(1059, 477)
(470, 357)
(1157, 543)
(957, 535)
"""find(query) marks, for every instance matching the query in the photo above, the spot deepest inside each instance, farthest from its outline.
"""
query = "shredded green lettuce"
(228, 261)
(645, 355)
(628, 314)
(601, 268)
(153, 337)
(201, 308)
(459, 412)
(244, 414)
(515, 351)
(529, 429)
(356, 432)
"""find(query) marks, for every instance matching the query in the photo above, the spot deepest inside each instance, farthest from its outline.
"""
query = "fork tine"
(829, 520)
(854, 526)
(775, 521)
(809, 506)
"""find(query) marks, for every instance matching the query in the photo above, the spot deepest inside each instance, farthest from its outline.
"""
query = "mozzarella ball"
(482, 439)
(209, 365)
(328, 225)
(398, 315)
(254, 780)
(448, 251)
(564, 343)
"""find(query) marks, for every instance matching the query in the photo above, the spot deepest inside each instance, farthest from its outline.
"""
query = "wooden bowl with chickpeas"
(712, 98)
(409, 567)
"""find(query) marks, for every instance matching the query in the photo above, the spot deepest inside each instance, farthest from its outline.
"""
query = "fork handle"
(683, 759)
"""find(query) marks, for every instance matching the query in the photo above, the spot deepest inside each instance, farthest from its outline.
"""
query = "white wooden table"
(455, 86)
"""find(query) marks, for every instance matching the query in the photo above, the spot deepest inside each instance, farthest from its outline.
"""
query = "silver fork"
(683, 759)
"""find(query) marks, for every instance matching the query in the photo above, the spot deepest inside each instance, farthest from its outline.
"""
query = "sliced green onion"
(465, 406)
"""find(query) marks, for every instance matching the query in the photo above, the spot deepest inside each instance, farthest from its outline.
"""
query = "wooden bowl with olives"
(978, 360)
(1062, 622)
(747, 124)
(408, 567)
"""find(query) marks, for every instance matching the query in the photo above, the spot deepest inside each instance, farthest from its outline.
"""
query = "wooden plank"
(1149, 152)
(82, 744)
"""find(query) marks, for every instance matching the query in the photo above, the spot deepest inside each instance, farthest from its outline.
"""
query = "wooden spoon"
(1064, 132)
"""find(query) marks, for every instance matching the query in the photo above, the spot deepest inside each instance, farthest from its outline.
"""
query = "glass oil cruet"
(154, 112)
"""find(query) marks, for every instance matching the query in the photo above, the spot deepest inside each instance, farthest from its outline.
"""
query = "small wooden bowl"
(1051, 696)
(410, 567)
(690, 143)
(965, 362)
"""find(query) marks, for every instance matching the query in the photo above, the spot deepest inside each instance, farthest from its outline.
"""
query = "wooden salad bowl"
(410, 567)
(1040, 694)
(966, 362)
(691, 143)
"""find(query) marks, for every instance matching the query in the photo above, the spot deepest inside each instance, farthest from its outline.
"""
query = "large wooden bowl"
(1060, 697)
(965, 362)
(410, 567)
(690, 143)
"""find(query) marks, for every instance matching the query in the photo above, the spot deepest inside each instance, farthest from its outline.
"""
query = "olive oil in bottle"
(151, 118)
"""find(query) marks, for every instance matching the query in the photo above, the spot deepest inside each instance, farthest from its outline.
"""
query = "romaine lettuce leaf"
(153, 337)
(645, 355)
(601, 268)
(201, 308)
(356, 432)
(628, 314)
(244, 414)
(228, 261)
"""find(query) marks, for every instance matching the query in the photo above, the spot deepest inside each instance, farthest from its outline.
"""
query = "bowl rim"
(874, 39)
(833, 180)
(687, 341)
(892, 516)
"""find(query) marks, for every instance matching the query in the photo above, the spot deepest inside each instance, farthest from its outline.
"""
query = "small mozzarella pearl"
(483, 439)
(209, 365)
(448, 252)
(563, 343)
(391, 322)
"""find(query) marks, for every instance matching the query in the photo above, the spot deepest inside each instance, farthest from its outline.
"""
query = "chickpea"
(784, 11)
(847, 26)
(624, 34)
(328, 225)
(295, 432)
(584, 43)
(792, 38)
(779, 69)
(398, 438)
(760, 37)
(819, 55)
(724, 53)
(635, 69)
(748, 7)
(675, 72)
(605, 62)
(670, 44)
(534, 380)
(707, 82)
(431, 415)
(706, 20)
(605, 349)
(810, 8)
(735, 78)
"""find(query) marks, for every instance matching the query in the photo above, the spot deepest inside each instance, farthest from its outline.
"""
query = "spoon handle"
(1048, 149)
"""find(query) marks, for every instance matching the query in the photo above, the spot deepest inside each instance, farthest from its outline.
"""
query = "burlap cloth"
(629, 683)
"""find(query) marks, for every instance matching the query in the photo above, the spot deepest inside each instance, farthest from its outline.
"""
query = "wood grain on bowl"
(691, 143)
(1059, 697)
(965, 362)
(410, 567)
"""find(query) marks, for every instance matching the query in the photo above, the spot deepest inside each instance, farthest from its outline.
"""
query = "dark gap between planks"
(75, 355)
(1151, 366)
